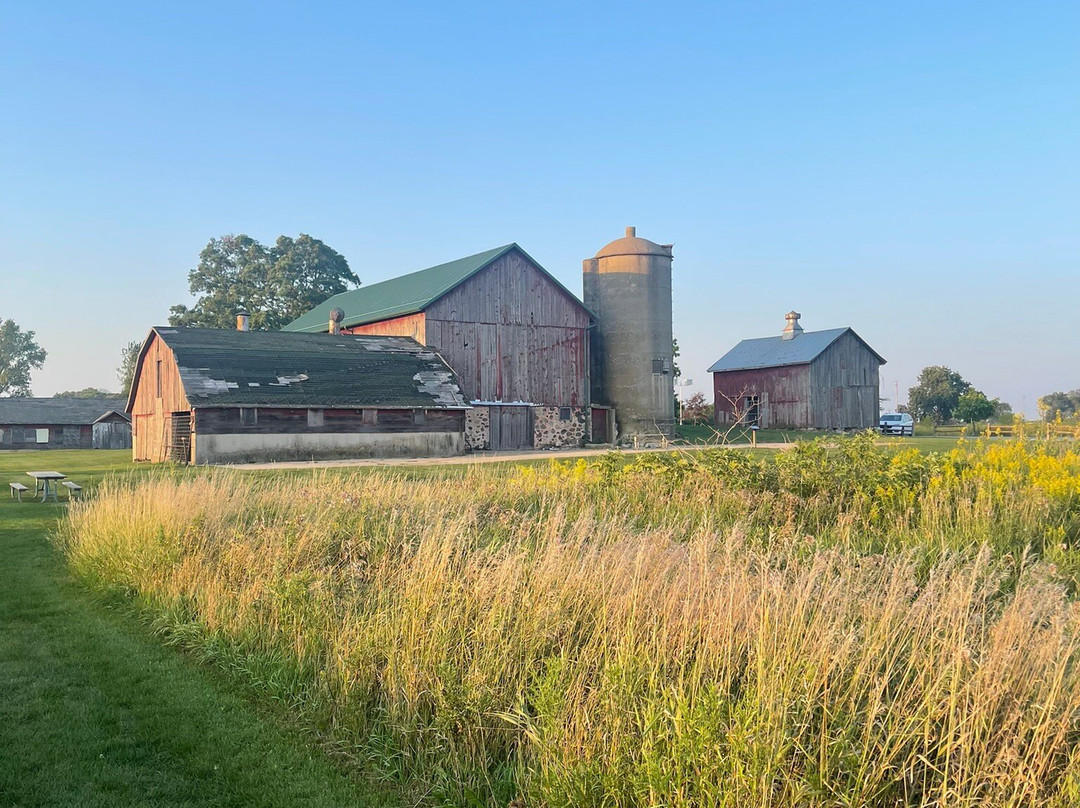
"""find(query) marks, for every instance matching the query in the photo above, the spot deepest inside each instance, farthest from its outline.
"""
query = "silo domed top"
(632, 245)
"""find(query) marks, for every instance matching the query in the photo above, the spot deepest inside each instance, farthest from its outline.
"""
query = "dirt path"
(476, 458)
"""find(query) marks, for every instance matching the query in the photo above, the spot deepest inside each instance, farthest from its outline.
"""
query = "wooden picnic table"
(43, 478)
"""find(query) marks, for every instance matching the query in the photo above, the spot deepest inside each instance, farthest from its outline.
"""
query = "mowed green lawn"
(95, 711)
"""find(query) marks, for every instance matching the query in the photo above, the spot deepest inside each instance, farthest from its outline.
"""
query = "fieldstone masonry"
(478, 428)
(558, 427)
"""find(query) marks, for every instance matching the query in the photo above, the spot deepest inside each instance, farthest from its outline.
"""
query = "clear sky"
(909, 169)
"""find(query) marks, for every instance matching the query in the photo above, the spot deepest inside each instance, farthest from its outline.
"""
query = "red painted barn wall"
(511, 334)
(411, 325)
(783, 395)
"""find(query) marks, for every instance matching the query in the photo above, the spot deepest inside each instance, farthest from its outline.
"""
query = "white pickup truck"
(896, 423)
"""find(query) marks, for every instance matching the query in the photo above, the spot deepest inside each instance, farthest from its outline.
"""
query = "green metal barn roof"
(407, 294)
(221, 368)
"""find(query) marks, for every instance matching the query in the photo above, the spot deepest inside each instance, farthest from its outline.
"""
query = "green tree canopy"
(937, 393)
(1003, 411)
(125, 374)
(974, 406)
(1065, 404)
(275, 284)
(86, 392)
(19, 354)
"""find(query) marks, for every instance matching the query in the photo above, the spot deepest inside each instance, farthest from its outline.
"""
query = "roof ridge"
(410, 293)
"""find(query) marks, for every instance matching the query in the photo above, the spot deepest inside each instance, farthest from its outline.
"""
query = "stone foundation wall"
(478, 428)
(551, 431)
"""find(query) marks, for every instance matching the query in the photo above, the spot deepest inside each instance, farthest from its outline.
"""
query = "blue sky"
(909, 169)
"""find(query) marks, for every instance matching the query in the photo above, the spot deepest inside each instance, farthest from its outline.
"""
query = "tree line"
(276, 283)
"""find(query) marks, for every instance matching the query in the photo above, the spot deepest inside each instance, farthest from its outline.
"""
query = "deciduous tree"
(275, 284)
(129, 357)
(19, 354)
(937, 393)
(1065, 404)
(973, 406)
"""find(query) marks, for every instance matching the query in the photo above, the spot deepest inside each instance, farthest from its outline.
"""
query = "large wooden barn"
(799, 379)
(204, 395)
(517, 339)
(64, 423)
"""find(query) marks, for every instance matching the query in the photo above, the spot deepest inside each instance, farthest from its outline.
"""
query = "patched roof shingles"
(220, 367)
(769, 352)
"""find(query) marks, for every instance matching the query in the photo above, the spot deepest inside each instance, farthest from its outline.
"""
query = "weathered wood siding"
(294, 421)
(61, 436)
(411, 325)
(114, 433)
(783, 395)
(511, 428)
(511, 334)
(155, 402)
(845, 383)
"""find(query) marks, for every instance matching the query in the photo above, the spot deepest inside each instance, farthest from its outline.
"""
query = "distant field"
(858, 622)
(704, 435)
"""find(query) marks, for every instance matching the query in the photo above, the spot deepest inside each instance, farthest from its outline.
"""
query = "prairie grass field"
(843, 623)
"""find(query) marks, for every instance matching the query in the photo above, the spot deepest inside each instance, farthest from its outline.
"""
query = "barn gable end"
(802, 379)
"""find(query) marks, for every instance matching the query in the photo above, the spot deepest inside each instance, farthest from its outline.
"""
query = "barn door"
(511, 428)
(180, 437)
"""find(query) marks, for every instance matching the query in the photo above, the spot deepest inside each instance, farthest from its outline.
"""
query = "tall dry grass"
(838, 628)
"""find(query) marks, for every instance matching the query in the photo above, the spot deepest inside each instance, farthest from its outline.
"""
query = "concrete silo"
(628, 287)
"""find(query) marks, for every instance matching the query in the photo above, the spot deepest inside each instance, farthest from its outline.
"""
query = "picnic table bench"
(73, 488)
(43, 479)
(17, 489)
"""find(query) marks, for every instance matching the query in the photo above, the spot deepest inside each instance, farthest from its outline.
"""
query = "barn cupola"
(792, 329)
(242, 319)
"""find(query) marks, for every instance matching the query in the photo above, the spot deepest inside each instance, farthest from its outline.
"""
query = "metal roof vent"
(336, 316)
(242, 319)
(792, 329)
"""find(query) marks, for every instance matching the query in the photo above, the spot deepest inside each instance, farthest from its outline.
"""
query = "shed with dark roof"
(218, 396)
(64, 423)
(799, 379)
(516, 337)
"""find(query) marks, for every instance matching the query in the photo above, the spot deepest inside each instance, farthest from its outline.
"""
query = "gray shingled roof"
(770, 352)
(221, 368)
(57, 411)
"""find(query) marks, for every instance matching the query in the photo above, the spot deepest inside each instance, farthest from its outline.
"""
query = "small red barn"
(799, 380)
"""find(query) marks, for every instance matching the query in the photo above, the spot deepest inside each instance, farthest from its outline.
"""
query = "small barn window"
(369, 416)
(564, 413)
(752, 411)
(658, 366)
(1, 436)
(158, 368)
(42, 435)
(315, 418)
(419, 417)
(249, 416)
